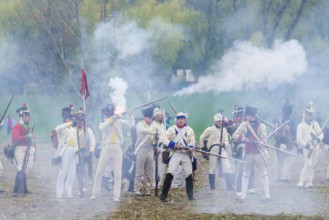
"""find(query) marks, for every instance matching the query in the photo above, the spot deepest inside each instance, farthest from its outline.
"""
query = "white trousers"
(213, 161)
(180, 158)
(19, 157)
(257, 162)
(67, 171)
(283, 161)
(110, 153)
(307, 173)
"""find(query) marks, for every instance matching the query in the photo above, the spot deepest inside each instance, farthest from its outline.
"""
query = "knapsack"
(54, 138)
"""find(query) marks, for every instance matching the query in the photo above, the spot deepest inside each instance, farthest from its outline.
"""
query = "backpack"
(54, 138)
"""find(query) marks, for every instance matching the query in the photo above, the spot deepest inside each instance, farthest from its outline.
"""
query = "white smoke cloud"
(119, 87)
(246, 66)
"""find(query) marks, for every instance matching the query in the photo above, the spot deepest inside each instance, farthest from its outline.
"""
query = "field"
(288, 201)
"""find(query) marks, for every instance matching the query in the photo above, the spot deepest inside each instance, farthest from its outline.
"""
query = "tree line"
(44, 43)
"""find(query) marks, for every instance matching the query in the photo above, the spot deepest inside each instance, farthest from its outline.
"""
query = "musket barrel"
(148, 103)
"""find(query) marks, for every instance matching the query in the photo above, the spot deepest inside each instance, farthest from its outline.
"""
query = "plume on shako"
(24, 110)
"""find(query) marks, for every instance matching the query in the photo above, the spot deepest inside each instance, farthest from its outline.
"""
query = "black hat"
(250, 110)
(148, 111)
(23, 110)
(108, 110)
(238, 111)
(79, 115)
(67, 111)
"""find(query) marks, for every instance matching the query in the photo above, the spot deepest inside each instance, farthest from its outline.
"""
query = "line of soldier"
(243, 139)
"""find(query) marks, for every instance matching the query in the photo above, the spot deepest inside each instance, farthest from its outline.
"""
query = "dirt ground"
(287, 199)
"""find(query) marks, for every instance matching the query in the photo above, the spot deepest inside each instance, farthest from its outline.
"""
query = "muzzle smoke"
(119, 87)
(246, 66)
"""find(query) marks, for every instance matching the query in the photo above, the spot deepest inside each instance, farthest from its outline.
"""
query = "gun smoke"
(246, 66)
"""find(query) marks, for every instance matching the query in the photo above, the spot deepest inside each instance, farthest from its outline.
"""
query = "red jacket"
(20, 135)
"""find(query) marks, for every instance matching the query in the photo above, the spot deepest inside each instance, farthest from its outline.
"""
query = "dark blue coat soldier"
(284, 140)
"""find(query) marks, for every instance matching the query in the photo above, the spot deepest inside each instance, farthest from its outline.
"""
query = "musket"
(3, 116)
(22, 187)
(219, 156)
(156, 162)
(173, 108)
(277, 129)
(277, 149)
(265, 122)
(146, 104)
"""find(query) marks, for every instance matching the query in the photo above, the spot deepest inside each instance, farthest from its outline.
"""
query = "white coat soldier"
(66, 157)
(309, 136)
(159, 127)
(180, 139)
(217, 141)
(284, 140)
(250, 132)
(144, 153)
(86, 144)
(23, 139)
(112, 130)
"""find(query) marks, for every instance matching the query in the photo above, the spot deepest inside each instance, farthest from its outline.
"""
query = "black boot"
(166, 187)
(229, 183)
(105, 183)
(189, 187)
(212, 181)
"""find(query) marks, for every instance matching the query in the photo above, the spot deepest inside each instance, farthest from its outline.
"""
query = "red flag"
(84, 85)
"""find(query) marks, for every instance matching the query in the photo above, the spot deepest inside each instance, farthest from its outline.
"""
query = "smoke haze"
(246, 66)
(119, 87)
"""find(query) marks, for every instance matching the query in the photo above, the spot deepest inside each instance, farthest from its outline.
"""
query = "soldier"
(112, 130)
(144, 153)
(284, 140)
(23, 139)
(180, 139)
(251, 132)
(86, 143)
(159, 127)
(217, 143)
(66, 157)
(309, 136)
(238, 151)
